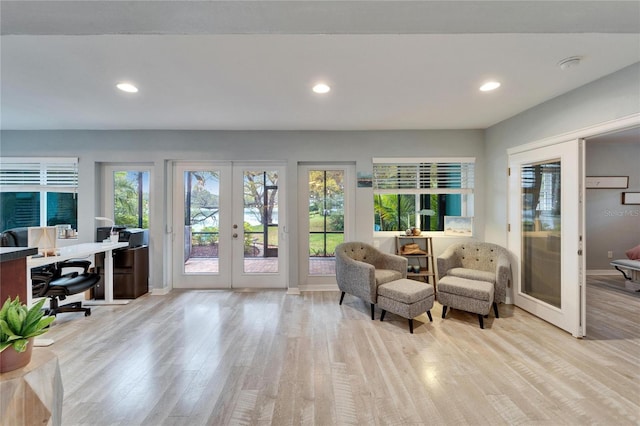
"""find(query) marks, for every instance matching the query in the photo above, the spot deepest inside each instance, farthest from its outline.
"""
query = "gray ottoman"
(407, 298)
(467, 295)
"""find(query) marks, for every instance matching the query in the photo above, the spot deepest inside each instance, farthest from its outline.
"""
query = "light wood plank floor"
(261, 358)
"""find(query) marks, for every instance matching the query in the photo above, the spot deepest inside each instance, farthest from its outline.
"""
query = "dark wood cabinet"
(130, 273)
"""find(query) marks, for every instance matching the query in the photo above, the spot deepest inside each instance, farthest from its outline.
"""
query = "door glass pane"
(131, 198)
(326, 219)
(202, 219)
(260, 217)
(541, 214)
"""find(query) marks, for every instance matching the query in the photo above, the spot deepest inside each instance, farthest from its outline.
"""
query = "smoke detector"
(570, 62)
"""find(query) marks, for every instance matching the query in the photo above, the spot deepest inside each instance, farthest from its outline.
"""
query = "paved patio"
(317, 266)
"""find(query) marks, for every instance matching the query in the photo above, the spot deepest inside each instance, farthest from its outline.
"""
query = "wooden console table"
(32, 395)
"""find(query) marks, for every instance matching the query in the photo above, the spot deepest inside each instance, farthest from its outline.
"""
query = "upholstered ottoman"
(407, 298)
(467, 295)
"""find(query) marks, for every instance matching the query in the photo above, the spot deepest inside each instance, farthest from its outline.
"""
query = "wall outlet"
(610, 254)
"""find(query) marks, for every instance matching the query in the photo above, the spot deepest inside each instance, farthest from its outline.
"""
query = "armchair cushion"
(473, 274)
(384, 276)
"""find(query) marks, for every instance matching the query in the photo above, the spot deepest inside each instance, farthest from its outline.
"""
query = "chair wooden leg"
(341, 297)
(444, 311)
(429, 315)
(382, 315)
(481, 321)
(372, 305)
(495, 309)
(411, 325)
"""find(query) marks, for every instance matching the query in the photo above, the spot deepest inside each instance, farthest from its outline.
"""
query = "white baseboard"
(319, 287)
(160, 291)
(293, 291)
(602, 272)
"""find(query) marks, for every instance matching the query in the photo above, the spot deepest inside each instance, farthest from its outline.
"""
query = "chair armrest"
(503, 277)
(40, 283)
(357, 278)
(393, 262)
(75, 263)
(447, 260)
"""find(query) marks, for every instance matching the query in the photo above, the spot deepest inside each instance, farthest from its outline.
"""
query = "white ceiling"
(399, 68)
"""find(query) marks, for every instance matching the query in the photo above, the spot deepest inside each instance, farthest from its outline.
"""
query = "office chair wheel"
(87, 313)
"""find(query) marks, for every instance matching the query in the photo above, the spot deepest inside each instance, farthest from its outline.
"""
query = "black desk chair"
(49, 281)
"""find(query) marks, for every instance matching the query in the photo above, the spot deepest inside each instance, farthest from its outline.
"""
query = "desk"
(13, 272)
(80, 251)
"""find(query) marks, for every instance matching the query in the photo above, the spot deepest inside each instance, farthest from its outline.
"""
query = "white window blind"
(38, 174)
(423, 176)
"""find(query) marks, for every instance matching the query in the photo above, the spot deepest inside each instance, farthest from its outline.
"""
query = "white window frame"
(40, 181)
(413, 187)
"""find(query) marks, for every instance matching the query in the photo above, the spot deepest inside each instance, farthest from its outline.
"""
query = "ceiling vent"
(570, 62)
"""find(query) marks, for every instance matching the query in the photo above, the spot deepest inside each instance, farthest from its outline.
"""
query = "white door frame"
(313, 282)
(623, 123)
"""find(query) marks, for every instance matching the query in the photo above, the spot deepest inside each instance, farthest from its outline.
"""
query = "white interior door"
(546, 221)
(228, 225)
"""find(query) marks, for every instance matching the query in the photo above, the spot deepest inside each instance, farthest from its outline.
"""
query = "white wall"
(157, 147)
(614, 96)
(610, 225)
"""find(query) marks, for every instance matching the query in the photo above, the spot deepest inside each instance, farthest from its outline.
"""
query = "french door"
(228, 229)
(546, 229)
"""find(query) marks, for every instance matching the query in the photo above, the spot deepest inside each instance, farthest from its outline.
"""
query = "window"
(38, 192)
(421, 192)
(131, 198)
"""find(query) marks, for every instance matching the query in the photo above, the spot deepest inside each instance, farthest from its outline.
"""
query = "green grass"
(316, 243)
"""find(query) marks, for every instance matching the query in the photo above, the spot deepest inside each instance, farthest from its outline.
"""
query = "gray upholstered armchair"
(478, 261)
(361, 268)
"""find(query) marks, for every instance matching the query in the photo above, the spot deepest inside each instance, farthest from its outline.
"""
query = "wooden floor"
(261, 358)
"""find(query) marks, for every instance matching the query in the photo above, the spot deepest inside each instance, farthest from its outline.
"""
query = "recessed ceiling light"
(127, 87)
(489, 86)
(321, 88)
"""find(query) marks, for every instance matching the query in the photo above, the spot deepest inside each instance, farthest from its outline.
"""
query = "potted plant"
(18, 327)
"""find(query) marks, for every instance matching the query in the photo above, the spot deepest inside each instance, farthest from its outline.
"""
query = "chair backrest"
(479, 255)
(16, 237)
(357, 251)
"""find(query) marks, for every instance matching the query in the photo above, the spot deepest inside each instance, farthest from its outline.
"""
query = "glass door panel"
(201, 221)
(541, 210)
(260, 221)
(326, 219)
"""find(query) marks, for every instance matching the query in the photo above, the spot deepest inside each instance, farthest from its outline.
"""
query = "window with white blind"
(38, 192)
(420, 192)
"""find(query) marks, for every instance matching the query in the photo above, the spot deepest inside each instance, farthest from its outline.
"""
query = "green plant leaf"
(33, 317)
(4, 326)
(20, 345)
